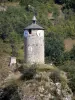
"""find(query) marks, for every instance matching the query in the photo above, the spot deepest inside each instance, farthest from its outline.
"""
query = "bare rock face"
(42, 87)
(3, 8)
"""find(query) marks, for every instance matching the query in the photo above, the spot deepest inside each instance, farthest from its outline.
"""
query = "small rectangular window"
(29, 31)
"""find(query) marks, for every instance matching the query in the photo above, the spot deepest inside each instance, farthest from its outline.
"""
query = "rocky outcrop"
(3, 8)
(44, 83)
(42, 87)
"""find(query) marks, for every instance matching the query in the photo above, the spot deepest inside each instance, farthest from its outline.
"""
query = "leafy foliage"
(68, 3)
(69, 68)
(12, 23)
(72, 53)
(15, 18)
(10, 93)
(28, 71)
(70, 56)
(54, 48)
(55, 76)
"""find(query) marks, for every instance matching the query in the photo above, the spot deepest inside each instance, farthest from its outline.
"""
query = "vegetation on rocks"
(58, 19)
(39, 84)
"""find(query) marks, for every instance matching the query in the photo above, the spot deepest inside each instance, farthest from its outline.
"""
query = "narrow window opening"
(29, 31)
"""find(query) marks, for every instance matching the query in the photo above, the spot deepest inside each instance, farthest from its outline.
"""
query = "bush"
(69, 56)
(28, 71)
(72, 53)
(9, 93)
(55, 76)
(12, 21)
(54, 48)
(69, 68)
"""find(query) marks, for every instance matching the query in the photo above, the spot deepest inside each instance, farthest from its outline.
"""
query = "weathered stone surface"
(58, 88)
(41, 87)
(45, 89)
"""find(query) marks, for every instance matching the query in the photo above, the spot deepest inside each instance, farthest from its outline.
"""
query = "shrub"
(9, 93)
(68, 56)
(28, 71)
(55, 76)
(72, 53)
(54, 48)
(69, 68)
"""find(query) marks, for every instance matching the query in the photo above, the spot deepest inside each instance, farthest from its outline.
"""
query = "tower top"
(34, 25)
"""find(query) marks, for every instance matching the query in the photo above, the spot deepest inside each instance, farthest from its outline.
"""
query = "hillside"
(36, 82)
(58, 19)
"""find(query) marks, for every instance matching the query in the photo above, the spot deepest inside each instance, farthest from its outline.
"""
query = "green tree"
(72, 53)
(14, 19)
(54, 48)
(14, 39)
(69, 68)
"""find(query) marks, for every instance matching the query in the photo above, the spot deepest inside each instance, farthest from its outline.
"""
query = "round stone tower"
(34, 43)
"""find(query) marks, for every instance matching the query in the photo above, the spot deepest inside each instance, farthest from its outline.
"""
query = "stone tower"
(34, 43)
